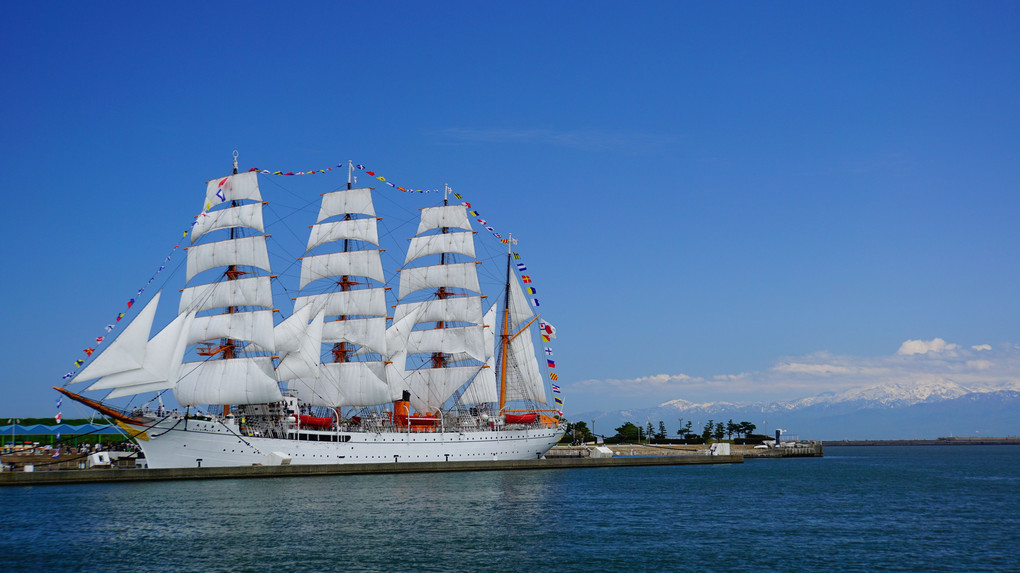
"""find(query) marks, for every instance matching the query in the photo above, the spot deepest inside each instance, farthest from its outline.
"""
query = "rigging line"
(280, 218)
(240, 437)
(396, 232)
(525, 327)
(269, 207)
(307, 203)
(171, 427)
(178, 422)
(287, 256)
(399, 204)
(95, 355)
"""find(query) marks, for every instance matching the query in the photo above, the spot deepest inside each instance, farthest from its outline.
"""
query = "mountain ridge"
(926, 409)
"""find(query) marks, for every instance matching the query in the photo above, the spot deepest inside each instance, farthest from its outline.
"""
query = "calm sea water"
(920, 508)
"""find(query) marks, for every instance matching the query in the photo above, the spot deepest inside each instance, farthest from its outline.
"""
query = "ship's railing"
(271, 421)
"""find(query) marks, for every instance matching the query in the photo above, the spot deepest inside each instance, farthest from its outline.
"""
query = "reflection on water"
(857, 509)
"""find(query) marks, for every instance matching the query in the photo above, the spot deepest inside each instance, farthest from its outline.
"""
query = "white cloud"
(925, 346)
(643, 382)
(979, 364)
(917, 364)
(817, 369)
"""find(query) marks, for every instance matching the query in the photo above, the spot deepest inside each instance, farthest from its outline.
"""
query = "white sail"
(461, 243)
(232, 188)
(459, 275)
(523, 380)
(447, 216)
(163, 356)
(396, 347)
(127, 352)
(466, 339)
(128, 379)
(363, 302)
(369, 333)
(454, 309)
(483, 388)
(289, 333)
(357, 229)
(256, 327)
(250, 291)
(352, 263)
(233, 381)
(344, 384)
(248, 215)
(248, 251)
(430, 387)
(520, 310)
(299, 343)
(137, 389)
(347, 201)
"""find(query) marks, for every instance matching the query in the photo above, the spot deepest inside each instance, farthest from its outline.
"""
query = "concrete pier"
(64, 477)
(812, 449)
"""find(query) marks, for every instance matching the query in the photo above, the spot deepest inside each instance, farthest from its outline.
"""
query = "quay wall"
(16, 478)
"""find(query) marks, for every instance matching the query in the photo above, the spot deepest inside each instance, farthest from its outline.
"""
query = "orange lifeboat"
(314, 422)
(528, 418)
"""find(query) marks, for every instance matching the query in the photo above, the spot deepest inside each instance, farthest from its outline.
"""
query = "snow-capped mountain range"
(926, 409)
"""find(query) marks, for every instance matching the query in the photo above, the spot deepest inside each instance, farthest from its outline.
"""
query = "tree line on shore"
(579, 433)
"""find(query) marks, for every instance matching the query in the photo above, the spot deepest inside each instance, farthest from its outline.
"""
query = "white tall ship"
(452, 375)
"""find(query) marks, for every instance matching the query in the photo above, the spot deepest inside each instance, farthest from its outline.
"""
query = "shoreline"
(802, 450)
(950, 441)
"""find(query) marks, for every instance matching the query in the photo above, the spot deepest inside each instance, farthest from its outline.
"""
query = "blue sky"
(705, 191)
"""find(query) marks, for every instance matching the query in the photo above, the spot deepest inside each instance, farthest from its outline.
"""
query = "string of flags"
(340, 166)
(548, 332)
(110, 327)
(309, 172)
(60, 400)
(521, 267)
(360, 167)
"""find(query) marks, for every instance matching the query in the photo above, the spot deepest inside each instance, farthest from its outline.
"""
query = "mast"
(227, 346)
(451, 350)
(438, 358)
(504, 336)
(341, 352)
(241, 332)
(520, 378)
(232, 274)
(351, 320)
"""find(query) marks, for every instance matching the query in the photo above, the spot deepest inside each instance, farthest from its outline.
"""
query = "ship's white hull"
(214, 443)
